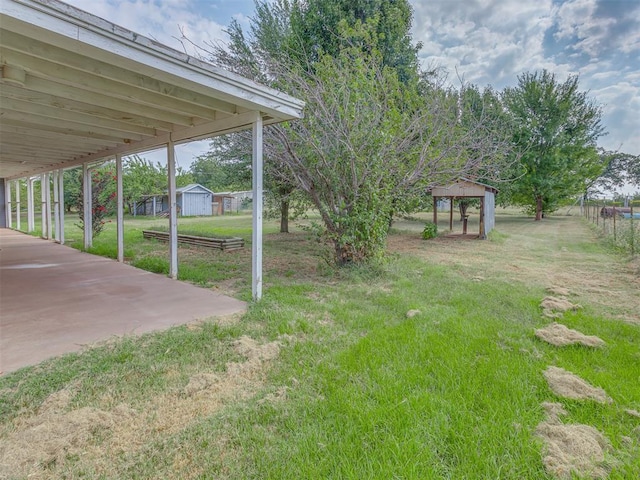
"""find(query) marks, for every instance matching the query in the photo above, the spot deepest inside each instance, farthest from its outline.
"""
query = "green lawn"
(357, 389)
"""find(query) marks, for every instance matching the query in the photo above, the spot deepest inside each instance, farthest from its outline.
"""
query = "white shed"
(195, 200)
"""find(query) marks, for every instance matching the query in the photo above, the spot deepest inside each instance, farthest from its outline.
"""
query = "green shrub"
(430, 231)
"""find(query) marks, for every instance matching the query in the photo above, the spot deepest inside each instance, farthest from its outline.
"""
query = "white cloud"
(485, 41)
(493, 41)
(163, 20)
(488, 42)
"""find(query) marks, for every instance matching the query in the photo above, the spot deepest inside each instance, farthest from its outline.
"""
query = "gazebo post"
(481, 233)
(451, 213)
(435, 210)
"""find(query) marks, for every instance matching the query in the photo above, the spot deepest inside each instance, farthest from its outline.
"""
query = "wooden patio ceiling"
(75, 88)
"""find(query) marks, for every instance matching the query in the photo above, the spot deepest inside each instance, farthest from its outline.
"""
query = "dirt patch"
(560, 336)
(553, 307)
(566, 384)
(570, 449)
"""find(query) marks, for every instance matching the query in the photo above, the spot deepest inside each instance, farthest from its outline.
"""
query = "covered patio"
(78, 90)
(56, 300)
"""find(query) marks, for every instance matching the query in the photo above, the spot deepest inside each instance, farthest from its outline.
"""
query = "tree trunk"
(538, 208)
(462, 205)
(284, 216)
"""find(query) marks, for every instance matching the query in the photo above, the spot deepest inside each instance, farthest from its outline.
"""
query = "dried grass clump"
(53, 434)
(566, 384)
(560, 336)
(559, 291)
(571, 449)
(554, 307)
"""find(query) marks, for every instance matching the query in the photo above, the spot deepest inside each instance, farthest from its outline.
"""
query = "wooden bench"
(225, 244)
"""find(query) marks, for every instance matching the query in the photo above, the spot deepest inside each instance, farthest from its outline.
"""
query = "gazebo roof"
(463, 188)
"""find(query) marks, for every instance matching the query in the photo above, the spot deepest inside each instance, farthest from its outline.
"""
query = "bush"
(430, 231)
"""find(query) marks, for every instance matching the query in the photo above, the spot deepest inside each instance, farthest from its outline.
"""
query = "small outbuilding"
(229, 202)
(193, 200)
(465, 188)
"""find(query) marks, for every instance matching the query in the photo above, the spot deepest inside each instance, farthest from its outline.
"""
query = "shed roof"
(193, 186)
(463, 188)
(76, 88)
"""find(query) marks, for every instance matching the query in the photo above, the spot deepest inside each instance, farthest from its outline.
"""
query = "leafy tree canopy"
(556, 127)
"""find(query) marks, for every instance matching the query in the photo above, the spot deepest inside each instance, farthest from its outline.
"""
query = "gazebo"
(465, 188)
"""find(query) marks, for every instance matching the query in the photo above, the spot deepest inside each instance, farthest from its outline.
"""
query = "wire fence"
(620, 225)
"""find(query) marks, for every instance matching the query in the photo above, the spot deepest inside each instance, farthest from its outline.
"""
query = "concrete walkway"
(55, 300)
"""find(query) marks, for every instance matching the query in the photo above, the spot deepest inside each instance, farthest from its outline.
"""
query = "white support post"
(43, 207)
(47, 204)
(9, 202)
(56, 206)
(31, 222)
(18, 225)
(173, 211)
(86, 201)
(120, 208)
(60, 187)
(256, 238)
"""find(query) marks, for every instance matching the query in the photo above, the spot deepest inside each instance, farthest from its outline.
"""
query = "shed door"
(196, 204)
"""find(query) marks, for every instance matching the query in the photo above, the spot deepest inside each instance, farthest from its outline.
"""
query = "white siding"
(196, 204)
(489, 212)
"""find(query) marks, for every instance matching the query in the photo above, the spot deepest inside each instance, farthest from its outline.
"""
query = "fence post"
(633, 231)
(614, 224)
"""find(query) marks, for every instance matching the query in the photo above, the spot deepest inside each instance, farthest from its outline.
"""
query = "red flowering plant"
(103, 198)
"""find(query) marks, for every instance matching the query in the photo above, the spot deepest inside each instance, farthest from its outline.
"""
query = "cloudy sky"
(484, 41)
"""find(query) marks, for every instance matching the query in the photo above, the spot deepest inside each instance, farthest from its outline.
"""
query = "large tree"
(300, 33)
(373, 139)
(368, 147)
(556, 127)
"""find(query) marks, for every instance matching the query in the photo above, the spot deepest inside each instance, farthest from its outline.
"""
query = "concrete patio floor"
(56, 300)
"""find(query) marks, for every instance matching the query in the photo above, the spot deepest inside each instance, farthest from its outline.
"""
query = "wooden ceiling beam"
(39, 98)
(145, 91)
(33, 149)
(105, 70)
(128, 107)
(62, 115)
(65, 128)
(31, 135)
